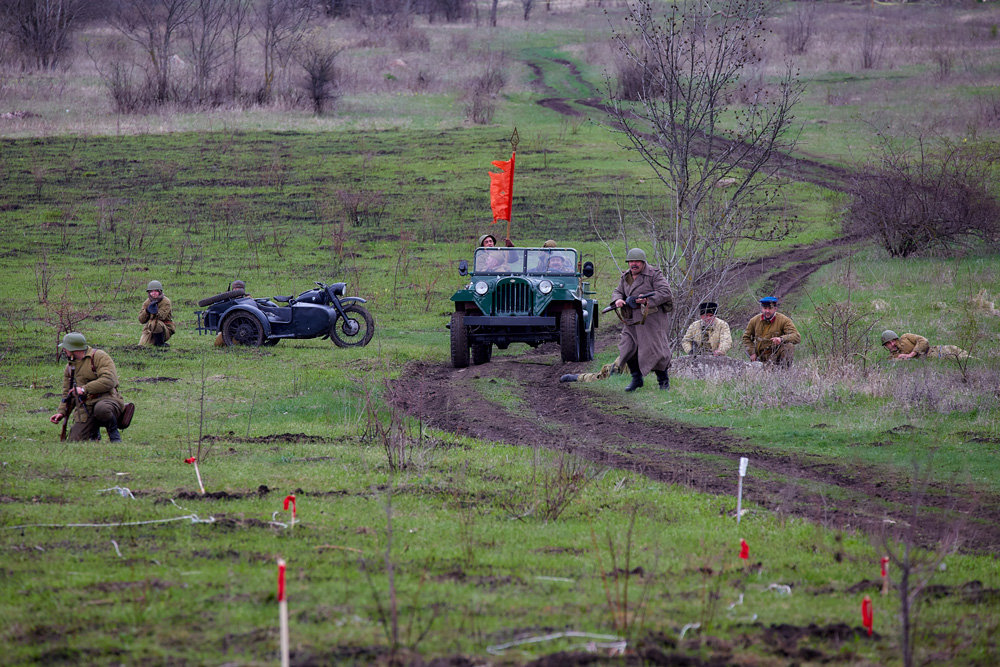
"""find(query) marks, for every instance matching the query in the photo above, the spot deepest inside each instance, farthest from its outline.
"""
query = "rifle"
(71, 398)
(630, 302)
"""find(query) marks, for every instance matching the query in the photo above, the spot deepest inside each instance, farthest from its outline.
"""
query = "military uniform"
(645, 334)
(159, 321)
(607, 370)
(102, 404)
(910, 342)
(758, 335)
(711, 338)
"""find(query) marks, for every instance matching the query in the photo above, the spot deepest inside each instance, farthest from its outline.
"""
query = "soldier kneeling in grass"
(914, 346)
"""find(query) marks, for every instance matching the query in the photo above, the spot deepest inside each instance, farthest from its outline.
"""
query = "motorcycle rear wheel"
(356, 330)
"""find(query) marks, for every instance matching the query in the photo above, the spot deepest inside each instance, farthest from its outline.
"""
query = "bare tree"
(799, 25)
(239, 28)
(916, 567)
(493, 13)
(282, 23)
(205, 33)
(41, 29)
(153, 25)
(711, 133)
(526, 5)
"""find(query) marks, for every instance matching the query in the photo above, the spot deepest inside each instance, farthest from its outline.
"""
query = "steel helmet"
(888, 335)
(154, 285)
(483, 238)
(73, 341)
(635, 255)
(549, 244)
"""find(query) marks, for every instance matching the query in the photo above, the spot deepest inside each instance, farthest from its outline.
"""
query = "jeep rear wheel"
(459, 341)
(482, 353)
(569, 336)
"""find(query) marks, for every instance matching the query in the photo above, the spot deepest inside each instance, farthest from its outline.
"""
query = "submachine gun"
(631, 302)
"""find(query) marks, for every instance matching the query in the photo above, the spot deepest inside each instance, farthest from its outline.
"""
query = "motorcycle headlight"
(545, 287)
(482, 288)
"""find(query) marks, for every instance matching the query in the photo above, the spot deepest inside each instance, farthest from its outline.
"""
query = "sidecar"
(244, 320)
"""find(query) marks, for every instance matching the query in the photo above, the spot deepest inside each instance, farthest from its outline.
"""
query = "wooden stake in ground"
(194, 461)
(282, 613)
(739, 488)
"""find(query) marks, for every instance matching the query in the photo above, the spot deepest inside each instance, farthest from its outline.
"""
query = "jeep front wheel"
(459, 341)
(587, 344)
(569, 336)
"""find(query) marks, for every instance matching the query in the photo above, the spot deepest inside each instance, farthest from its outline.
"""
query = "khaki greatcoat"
(758, 335)
(645, 331)
(159, 322)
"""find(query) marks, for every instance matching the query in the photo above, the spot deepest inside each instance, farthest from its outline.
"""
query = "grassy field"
(467, 549)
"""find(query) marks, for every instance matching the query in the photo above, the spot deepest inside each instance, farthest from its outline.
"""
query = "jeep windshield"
(543, 261)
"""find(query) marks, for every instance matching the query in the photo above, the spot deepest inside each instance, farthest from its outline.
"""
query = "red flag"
(744, 550)
(502, 189)
(867, 617)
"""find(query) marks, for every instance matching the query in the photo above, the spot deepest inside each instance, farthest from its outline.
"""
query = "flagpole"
(514, 141)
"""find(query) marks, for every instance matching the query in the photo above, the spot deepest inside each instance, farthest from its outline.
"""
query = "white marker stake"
(283, 613)
(739, 490)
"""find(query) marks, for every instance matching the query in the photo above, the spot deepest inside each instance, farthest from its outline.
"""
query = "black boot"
(569, 377)
(663, 379)
(636, 382)
(158, 339)
(113, 434)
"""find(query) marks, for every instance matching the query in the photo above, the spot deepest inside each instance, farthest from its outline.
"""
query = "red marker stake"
(290, 499)
(744, 550)
(867, 616)
(194, 461)
(885, 575)
(283, 613)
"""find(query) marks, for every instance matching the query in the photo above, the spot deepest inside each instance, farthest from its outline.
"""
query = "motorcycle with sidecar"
(320, 312)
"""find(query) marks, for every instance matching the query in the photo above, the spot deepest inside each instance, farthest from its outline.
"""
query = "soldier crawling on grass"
(90, 387)
(914, 346)
(156, 317)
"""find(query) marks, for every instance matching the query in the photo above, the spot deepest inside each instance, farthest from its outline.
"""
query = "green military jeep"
(523, 295)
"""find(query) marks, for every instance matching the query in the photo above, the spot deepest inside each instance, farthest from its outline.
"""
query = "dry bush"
(363, 208)
(412, 39)
(482, 98)
(926, 195)
(798, 27)
(321, 81)
(556, 480)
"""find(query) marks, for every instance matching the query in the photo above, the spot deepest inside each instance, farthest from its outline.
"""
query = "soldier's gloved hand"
(152, 308)
(631, 302)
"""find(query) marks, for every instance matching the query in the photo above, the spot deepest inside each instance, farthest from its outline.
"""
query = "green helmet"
(483, 238)
(73, 341)
(154, 285)
(888, 335)
(635, 255)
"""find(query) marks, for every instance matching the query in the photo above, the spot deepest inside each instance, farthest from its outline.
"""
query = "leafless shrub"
(944, 59)
(66, 314)
(836, 97)
(988, 107)
(928, 194)
(43, 277)
(556, 480)
(321, 82)
(872, 42)
(126, 96)
(847, 330)
(798, 27)
(412, 39)
(624, 617)
(364, 208)
(484, 90)
(406, 445)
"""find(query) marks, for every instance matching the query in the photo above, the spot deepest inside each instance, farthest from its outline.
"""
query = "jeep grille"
(513, 298)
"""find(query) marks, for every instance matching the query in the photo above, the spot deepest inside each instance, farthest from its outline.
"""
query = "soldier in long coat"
(90, 387)
(156, 316)
(643, 298)
(771, 336)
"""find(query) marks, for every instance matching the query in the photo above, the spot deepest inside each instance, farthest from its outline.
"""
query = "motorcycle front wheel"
(355, 330)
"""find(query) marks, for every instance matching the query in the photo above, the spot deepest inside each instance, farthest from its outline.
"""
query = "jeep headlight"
(482, 288)
(545, 286)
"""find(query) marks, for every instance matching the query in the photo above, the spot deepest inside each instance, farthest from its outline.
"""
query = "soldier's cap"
(769, 301)
(483, 238)
(707, 308)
